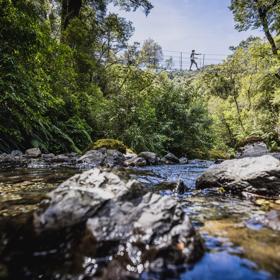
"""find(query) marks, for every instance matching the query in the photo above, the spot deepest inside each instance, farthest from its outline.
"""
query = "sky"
(182, 25)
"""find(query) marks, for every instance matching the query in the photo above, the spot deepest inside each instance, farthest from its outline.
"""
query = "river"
(237, 247)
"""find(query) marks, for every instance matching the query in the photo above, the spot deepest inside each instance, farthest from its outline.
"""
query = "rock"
(259, 175)
(48, 156)
(79, 198)
(165, 186)
(183, 160)
(33, 153)
(61, 159)
(103, 157)
(151, 158)
(170, 159)
(136, 161)
(124, 223)
(181, 187)
(16, 153)
(146, 231)
(9, 161)
(252, 150)
(130, 155)
(270, 219)
(276, 155)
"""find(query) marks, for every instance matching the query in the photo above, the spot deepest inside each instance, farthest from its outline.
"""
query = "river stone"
(79, 198)
(33, 152)
(272, 220)
(135, 161)
(183, 160)
(170, 159)
(154, 227)
(150, 157)
(123, 221)
(253, 150)
(259, 175)
(103, 157)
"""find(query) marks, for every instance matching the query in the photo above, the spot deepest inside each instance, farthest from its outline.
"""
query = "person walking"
(193, 62)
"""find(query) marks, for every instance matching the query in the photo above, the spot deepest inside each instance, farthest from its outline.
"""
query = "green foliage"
(109, 144)
(242, 95)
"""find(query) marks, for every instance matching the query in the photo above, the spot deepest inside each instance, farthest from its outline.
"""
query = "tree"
(255, 14)
(151, 54)
(71, 9)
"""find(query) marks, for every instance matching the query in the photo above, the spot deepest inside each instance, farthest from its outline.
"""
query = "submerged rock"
(124, 222)
(260, 175)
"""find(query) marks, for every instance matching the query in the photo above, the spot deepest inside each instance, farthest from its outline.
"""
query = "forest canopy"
(69, 76)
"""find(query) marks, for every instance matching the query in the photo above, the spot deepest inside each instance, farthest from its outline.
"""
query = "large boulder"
(259, 175)
(255, 149)
(124, 222)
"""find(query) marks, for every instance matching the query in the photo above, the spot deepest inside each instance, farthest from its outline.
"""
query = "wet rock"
(151, 158)
(33, 152)
(165, 186)
(170, 159)
(183, 160)
(270, 219)
(253, 150)
(124, 222)
(181, 187)
(135, 161)
(79, 198)
(154, 228)
(103, 157)
(259, 175)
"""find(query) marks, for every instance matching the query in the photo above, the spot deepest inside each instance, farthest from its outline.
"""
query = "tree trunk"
(263, 18)
(70, 10)
(264, 22)
(238, 113)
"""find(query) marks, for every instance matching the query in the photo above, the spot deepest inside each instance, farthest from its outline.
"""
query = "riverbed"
(237, 246)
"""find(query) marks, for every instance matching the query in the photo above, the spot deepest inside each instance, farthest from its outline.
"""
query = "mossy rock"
(249, 140)
(111, 144)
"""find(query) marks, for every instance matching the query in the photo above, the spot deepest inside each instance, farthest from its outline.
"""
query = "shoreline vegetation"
(67, 81)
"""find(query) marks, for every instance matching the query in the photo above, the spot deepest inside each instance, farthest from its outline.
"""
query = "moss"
(109, 144)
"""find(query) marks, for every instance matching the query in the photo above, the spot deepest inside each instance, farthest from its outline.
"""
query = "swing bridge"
(180, 61)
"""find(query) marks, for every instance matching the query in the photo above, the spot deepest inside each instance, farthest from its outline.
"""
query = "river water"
(237, 247)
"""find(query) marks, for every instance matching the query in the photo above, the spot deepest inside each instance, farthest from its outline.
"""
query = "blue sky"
(182, 25)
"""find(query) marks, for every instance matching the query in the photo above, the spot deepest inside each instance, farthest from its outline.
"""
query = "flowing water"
(237, 247)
